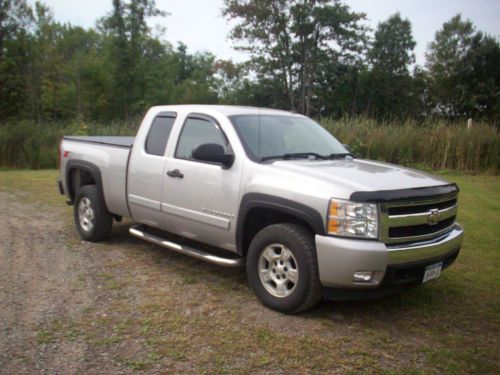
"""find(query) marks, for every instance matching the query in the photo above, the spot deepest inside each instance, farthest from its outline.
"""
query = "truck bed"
(104, 140)
(110, 156)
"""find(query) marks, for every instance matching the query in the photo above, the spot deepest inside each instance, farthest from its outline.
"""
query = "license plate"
(432, 272)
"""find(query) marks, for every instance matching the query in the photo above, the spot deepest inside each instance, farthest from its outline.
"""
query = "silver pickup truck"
(271, 190)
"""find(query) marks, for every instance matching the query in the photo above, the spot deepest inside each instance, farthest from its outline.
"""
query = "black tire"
(307, 290)
(103, 220)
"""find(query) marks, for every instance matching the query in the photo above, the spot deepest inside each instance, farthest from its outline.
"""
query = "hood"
(360, 175)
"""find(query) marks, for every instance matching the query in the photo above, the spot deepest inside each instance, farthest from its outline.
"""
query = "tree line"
(315, 57)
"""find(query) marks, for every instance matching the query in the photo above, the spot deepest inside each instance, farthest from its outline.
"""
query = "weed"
(136, 364)
(45, 336)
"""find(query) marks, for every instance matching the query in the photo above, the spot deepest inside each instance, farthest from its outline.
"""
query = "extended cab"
(271, 190)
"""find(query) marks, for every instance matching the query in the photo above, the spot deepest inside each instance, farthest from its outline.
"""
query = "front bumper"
(339, 258)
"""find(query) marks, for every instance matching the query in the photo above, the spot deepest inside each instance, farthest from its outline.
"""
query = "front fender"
(257, 200)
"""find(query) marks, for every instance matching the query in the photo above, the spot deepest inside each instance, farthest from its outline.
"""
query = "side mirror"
(213, 153)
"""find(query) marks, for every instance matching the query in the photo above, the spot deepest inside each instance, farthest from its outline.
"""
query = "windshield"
(268, 136)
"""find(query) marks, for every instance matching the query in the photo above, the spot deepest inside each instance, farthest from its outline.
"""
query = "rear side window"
(158, 135)
(195, 132)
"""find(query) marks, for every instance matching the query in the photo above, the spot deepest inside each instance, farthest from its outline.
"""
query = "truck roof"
(228, 110)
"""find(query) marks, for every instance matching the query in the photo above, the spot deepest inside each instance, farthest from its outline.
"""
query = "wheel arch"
(80, 173)
(260, 210)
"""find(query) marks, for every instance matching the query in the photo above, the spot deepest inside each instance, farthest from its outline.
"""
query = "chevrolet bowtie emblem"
(433, 217)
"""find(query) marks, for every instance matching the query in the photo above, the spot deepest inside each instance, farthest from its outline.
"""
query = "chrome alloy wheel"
(278, 270)
(86, 214)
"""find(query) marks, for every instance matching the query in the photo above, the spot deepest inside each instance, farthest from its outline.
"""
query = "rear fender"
(92, 169)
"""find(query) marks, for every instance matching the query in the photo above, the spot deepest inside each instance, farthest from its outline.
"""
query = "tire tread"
(304, 241)
(103, 219)
(314, 293)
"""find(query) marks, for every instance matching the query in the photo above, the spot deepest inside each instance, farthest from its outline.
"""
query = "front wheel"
(92, 219)
(282, 268)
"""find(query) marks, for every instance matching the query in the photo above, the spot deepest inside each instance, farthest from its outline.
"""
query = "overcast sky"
(199, 24)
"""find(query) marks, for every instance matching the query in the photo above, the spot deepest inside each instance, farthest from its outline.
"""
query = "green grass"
(448, 326)
(32, 186)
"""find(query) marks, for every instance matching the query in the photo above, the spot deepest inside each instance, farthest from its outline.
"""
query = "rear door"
(200, 198)
(145, 171)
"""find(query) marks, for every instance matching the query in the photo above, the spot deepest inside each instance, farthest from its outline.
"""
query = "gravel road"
(38, 270)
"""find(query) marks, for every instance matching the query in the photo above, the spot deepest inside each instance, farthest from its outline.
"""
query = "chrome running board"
(139, 232)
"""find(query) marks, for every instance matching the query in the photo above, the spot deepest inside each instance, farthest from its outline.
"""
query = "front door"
(200, 198)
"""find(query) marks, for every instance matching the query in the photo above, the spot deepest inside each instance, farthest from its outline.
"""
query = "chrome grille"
(419, 220)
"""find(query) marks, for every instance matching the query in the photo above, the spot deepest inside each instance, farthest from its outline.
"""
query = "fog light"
(363, 276)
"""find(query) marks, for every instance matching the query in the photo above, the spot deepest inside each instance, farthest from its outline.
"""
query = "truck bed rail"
(125, 142)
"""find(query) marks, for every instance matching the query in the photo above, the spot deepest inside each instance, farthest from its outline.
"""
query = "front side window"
(265, 136)
(197, 131)
(158, 135)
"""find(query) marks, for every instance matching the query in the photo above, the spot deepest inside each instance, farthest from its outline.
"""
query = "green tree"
(444, 58)
(15, 20)
(338, 88)
(15, 15)
(463, 71)
(288, 39)
(129, 33)
(196, 78)
(392, 49)
(479, 74)
(389, 85)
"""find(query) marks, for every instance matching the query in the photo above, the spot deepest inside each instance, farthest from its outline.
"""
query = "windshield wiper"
(340, 155)
(294, 155)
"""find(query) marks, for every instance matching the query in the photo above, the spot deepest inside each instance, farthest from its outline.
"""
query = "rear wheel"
(282, 268)
(92, 220)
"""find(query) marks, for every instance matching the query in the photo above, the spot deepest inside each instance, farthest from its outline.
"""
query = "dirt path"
(38, 271)
(124, 306)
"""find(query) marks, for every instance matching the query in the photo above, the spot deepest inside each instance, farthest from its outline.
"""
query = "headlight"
(352, 219)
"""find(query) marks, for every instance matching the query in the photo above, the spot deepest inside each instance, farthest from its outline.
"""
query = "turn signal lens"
(334, 208)
(333, 225)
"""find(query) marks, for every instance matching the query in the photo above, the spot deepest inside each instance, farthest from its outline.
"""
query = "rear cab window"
(159, 132)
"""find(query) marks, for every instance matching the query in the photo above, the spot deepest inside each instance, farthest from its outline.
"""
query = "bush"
(433, 145)
(28, 145)
(25, 144)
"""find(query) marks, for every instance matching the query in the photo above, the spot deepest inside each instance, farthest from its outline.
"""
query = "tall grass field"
(432, 145)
